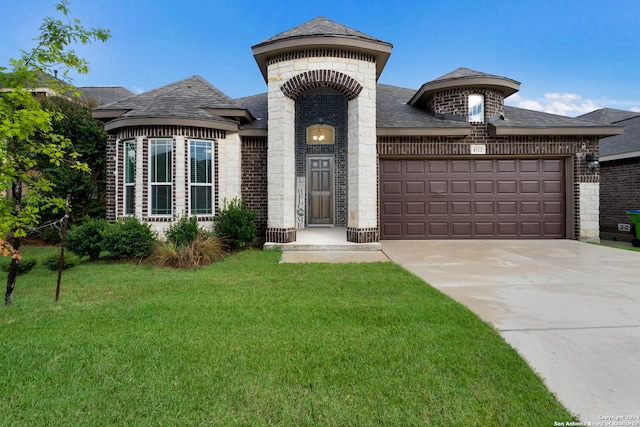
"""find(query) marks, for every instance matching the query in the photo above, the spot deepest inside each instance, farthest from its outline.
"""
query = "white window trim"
(152, 183)
(196, 184)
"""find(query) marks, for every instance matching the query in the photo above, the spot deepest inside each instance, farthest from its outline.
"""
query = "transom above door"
(320, 188)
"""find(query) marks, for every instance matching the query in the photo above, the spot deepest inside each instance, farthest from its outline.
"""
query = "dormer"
(465, 95)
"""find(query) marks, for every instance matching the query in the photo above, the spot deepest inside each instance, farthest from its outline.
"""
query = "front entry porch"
(323, 239)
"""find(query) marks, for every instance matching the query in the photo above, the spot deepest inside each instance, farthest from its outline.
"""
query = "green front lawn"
(249, 341)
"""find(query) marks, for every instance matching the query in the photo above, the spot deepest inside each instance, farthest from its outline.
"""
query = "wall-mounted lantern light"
(592, 161)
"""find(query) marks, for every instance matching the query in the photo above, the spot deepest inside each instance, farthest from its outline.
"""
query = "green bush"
(25, 265)
(86, 238)
(183, 232)
(234, 223)
(129, 238)
(53, 262)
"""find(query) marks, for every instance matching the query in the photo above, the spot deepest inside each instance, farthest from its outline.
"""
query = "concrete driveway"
(571, 309)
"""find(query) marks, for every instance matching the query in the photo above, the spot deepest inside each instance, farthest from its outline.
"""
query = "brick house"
(327, 145)
(619, 172)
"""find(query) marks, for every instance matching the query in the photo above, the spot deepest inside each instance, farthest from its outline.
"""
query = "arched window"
(320, 134)
(476, 108)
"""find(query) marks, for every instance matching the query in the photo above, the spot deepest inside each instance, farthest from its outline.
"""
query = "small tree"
(26, 127)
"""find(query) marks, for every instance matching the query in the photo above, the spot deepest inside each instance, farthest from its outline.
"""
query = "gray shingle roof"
(258, 106)
(320, 26)
(189, 98)
(393, 111)
(519, 117)
(105, 94)
(608, 115)
(623, 146)
(461, 73)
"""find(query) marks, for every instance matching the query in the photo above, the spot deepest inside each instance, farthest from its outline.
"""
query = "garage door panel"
(530, 166)
(416, 229)
(393, 230)
(554, 229)
(507, 208)
(531, 228)
(485, 229)
(438, 208)
(484, 166)
(472, 198)
(461, 208)
(483, 187)
(415, 187)
(506, 166)
(415, 166)
(552, 208)
(461, 187)
(416, 208)
(552, 165)
(530, 208)
(507, 187)
(391, 187)
(438, 166)
(390, 167)
(484, 208)
(552, 187)
(391, 208)
(438, 187)
(461, 166)
(530, 187)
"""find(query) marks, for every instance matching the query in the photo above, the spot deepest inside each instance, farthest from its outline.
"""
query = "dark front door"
(320, 171)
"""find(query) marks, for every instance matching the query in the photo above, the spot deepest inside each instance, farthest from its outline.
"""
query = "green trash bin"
(634, 214)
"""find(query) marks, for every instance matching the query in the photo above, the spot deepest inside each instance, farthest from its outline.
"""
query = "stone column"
(590, 212)
(362, 221)
(281, 166)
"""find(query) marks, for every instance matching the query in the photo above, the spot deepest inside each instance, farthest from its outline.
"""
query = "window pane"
(161, 160)
(130, 194)
(476, 108)
(201, 154)
(201, 199)
(130, 162)
(161, 200)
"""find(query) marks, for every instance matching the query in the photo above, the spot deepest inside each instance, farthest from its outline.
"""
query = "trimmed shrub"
(183, 232)
(53, 262)
(203, 250)
(129, 238)
(86, 238)
(234, 223)
(25, 265)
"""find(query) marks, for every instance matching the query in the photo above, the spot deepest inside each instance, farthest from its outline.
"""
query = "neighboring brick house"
(619, 172)
(329, 146)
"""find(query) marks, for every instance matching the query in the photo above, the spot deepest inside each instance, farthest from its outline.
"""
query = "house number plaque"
(479, 149)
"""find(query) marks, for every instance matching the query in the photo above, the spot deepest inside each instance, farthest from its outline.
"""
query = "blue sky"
(571, 56)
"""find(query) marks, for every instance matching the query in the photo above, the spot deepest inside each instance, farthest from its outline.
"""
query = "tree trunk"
(13, 273)
(15, 263)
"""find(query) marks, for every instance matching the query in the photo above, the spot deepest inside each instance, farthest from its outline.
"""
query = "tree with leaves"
(89, 139)
(26, 127)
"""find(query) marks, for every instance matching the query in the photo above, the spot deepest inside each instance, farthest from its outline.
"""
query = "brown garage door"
(472, 198)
